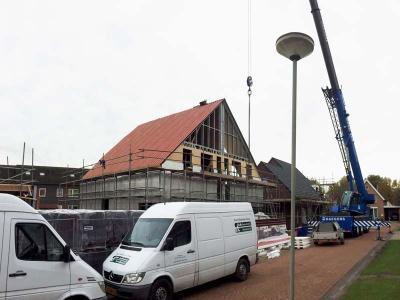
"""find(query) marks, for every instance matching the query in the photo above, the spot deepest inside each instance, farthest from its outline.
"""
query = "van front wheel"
(242, 269)
(161, 290)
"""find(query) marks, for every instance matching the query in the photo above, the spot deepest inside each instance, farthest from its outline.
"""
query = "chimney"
(202, 103)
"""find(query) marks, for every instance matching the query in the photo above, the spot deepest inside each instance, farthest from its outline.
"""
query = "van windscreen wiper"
(129, 243)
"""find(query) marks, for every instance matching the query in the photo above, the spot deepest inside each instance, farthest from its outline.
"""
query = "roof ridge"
(163, 134)
(180, 112)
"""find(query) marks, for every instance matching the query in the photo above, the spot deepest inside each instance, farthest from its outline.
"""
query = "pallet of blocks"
(302, 242)
(272, 236)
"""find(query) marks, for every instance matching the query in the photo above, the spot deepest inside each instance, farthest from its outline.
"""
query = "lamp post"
(294, 46)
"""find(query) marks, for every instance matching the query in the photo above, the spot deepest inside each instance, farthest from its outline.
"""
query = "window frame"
(190, 231)
(45, 192)
(73, 192)
(45, 231)
(60, 195)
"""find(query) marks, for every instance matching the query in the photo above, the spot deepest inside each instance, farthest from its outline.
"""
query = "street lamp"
(294, 46)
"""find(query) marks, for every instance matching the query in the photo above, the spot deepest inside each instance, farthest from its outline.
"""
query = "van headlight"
(102, 286)
(133, 278)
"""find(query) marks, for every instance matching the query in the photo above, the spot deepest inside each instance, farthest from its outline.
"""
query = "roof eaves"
(375, 190)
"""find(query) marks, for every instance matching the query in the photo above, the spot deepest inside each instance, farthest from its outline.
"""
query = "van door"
(181, 262)
(210, 241)
(3, 267)
(36, 270)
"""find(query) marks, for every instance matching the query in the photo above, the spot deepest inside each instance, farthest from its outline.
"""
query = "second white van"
(179, 245)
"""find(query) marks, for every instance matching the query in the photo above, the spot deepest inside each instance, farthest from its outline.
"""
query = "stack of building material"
(302, 242)
(272, 236)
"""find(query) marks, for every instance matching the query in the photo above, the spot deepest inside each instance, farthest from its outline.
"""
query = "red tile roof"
(162, 135)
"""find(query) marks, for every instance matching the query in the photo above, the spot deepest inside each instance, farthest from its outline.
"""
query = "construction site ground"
(318, 269)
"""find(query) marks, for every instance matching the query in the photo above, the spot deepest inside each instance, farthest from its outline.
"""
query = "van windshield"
(147, 232)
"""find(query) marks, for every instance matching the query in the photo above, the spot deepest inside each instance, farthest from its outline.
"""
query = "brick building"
(43, 187)
(309, 202)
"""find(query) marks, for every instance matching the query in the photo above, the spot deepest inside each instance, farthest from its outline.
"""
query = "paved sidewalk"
(317, 270)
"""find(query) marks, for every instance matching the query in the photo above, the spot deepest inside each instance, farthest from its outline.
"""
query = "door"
(36, 270)
(3, 259)
(181, 262)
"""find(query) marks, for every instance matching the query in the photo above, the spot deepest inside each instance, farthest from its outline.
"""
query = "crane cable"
(249, 62)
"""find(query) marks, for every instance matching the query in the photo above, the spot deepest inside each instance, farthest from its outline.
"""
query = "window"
(187, 159)
(374, 212)
(226, 166)
(73, 206)
(36, 242)
(105, 204)
(236, 168)
(325, 227)
(42, 192)
(42, 174)
(147, 232)
(219, 168)
(249, 171)
(206, 162)
(73, 192)
(60, 192)
(181, 233)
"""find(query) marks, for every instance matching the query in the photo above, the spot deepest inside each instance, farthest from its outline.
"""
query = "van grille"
(113, 277)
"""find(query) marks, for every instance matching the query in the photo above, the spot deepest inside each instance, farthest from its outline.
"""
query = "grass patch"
(374, 289)
(386, 264)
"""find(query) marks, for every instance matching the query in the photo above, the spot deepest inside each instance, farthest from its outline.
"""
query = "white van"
(178, 245)
(35, 263)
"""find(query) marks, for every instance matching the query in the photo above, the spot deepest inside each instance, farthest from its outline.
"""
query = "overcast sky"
(77, 76)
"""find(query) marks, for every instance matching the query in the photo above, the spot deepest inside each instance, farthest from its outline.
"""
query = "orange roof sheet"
(152, 142)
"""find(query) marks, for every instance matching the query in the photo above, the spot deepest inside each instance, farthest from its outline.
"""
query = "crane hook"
(249, 84)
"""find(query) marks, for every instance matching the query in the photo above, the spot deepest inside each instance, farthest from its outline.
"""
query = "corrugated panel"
(162, 135)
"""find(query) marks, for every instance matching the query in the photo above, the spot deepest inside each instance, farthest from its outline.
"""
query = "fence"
(92, 234)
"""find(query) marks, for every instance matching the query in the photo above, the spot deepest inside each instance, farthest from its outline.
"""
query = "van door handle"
(17, 274)
(190, 251)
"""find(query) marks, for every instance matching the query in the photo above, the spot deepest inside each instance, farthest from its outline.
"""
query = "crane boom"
(356, 200)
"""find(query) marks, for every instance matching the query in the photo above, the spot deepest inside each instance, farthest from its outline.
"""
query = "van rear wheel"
(242, 269)
(161, 290)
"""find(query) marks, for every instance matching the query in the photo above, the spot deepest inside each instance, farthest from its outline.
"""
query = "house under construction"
(195, 155)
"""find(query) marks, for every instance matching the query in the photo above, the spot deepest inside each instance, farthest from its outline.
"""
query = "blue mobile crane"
(352, 213)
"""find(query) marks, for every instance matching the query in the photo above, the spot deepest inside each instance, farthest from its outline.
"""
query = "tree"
(318, 187)
(396, 196)
(336, 190)
(388, 188)
(375, 180)
(383, 185)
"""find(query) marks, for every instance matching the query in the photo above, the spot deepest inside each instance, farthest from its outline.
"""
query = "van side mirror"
(67, 253)
(169, 244)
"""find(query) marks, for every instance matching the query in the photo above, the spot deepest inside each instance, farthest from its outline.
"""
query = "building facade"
(309, 202)
(43, 187)
(195, 155)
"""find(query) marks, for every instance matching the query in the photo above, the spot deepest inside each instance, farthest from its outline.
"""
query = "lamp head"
(295, 45)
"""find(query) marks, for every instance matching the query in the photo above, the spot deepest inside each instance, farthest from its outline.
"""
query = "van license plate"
(111, 291)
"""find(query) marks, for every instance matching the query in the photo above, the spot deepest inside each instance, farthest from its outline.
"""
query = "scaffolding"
(139, 189)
